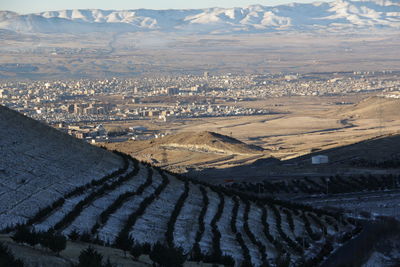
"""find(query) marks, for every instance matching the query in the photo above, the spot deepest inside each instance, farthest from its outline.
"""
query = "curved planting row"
(314, 236)
(261, 247)
(196, 251)
(123, 239)
(147, 211)
(267, 232)
(239, 237)
(169, 235)
(117, 204)
(289, 219)
(292, 244)
(216, 239)
(45, 212)
(106, 187)
(318, 222)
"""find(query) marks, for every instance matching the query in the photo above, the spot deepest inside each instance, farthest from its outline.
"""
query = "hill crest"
(208, 142)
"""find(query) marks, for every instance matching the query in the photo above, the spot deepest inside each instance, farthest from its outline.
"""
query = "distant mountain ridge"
(334, 16)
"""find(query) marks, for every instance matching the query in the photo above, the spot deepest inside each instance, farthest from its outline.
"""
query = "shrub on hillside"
(136, 251)
(55, 242)
(74, 235)
(167, 256)
(90, 258)
(24, 235)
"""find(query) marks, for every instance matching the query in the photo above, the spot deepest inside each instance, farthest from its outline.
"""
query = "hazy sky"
(28, 6)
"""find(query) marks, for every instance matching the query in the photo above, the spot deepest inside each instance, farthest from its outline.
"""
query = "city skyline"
(24, 7)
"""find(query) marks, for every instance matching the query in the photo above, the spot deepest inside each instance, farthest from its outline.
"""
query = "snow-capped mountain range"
(337, 15)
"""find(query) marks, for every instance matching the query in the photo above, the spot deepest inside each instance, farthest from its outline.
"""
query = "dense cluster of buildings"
(144, 98)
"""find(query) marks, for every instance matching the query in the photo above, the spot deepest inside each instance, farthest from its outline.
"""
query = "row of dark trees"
(259, 200)
(295, 208)
(278, 246)
(196, 251)
(314, 236)
(160, 254)
(287, 207)
(169, 234)
(289, 218)
(54, 242)
(291, 207)
(239, 237)
(126, 243)
(318, 222)
(323, 185)
(196, 254)
(260, 246)
(89, 257)
(382, 164)
(292, 244)
(216, 255)
(216, 235)
(106, 187)
(123, 241)
(113, 207)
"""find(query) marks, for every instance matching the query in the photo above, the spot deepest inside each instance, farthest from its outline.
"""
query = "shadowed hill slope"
(39, 164)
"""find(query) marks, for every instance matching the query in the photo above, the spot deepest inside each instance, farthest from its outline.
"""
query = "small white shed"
(320, 159)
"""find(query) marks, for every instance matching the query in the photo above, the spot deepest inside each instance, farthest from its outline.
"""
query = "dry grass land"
(311, 124)
(190, 149)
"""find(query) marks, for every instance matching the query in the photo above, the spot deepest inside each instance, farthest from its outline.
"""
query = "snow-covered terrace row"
(109, 231)
(152, 226)
(206, 240)
(39, 164)
(229, 245)
(90, 215)
(186, 225)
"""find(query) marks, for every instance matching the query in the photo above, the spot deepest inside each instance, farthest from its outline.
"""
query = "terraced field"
(137, 204)
(149, 205)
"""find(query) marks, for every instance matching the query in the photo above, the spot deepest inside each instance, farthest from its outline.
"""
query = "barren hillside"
(40, 164)
(188, 149)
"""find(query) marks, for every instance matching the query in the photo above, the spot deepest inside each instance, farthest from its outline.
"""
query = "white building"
(320, 159)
